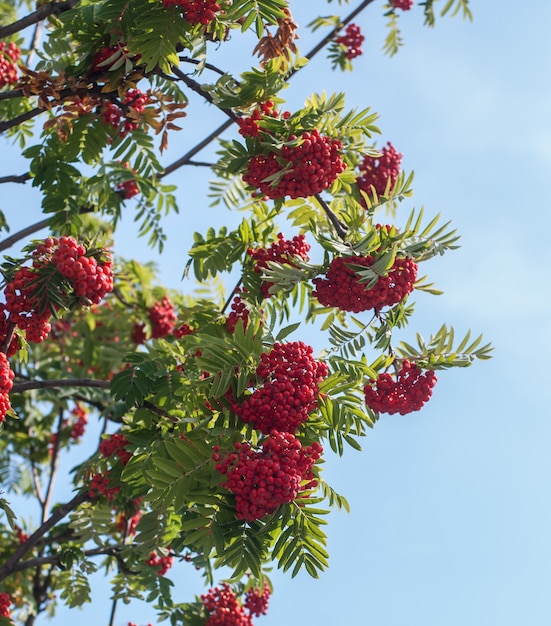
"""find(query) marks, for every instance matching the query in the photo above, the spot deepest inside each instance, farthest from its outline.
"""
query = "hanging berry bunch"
(5, 602)
(63, 275)
(290, 390)
(264, 479)
(6, 383)
(341, 286)
(162, 317)
(239, 311)
(196, 11)
(404, 5)
(306, 166)
(380, 173)
(281, 251)
(9, 55)
(125, 116)
(406, 392)
(351, 41)
(161, 563)
(224, 608)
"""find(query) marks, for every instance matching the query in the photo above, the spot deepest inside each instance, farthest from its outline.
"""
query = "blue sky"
(450, 506)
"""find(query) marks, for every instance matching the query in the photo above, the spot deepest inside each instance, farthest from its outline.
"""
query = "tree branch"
(32, 541)
(340, 228)
(61, 382)
(52, 8)
(15, 178)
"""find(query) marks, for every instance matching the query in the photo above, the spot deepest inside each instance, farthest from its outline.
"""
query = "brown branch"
(54, 559)
(28, 115)
(52, 8)
(32, 541)
(15, 178)
(61, 382)
(196, 87)
(340, 228)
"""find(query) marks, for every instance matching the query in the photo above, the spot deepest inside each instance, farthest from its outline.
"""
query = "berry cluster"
(406, 393)
(290, 390)
(376, 172)
(5, 602)
(224, 608)
(280, 251)
(262, 480)
(342, 288)
(257, 603)
(9, 55)
(5, 328)
(133, 104)
(115, 446)
(196, 11)
(352, 40)
(239, 311)
(181, 331)
(249, 126)
(79, 425)
(298, 171)
(128, 188)
(162, 563)
(162, 317)
(405, 5)
(100, 485)
(6, 383)
(22, 536)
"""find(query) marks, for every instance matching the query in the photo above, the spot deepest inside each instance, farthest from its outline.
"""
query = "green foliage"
(163, 370)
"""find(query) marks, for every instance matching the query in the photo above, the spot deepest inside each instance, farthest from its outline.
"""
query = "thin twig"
(15, 178)
(52, 8)
(54, 465)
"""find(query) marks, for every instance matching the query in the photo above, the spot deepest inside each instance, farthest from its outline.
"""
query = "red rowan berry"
(224, 608)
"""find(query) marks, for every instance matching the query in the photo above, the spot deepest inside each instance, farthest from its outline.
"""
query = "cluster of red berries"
(224, 608)
(297, 171)
(256, 602)
(196, 11)
(115, 446)
(22, 536)
(406, 393)
(289, 392)
(162, 563)
(262, 480)
(6, 383)
(100, 485)
(281, 251)
(134, 102)
(9, 55)
(376, 172)
(249, 126)
(81, 277)
(79, 425)
(352, 40)
(405, 5)
(341, 286)
(5, 602)
(181, 331)
(162, 317)
(5, 328)
(239, 311)
(128, 188)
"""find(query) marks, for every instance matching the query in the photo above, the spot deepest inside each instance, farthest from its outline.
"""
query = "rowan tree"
(214, 414)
